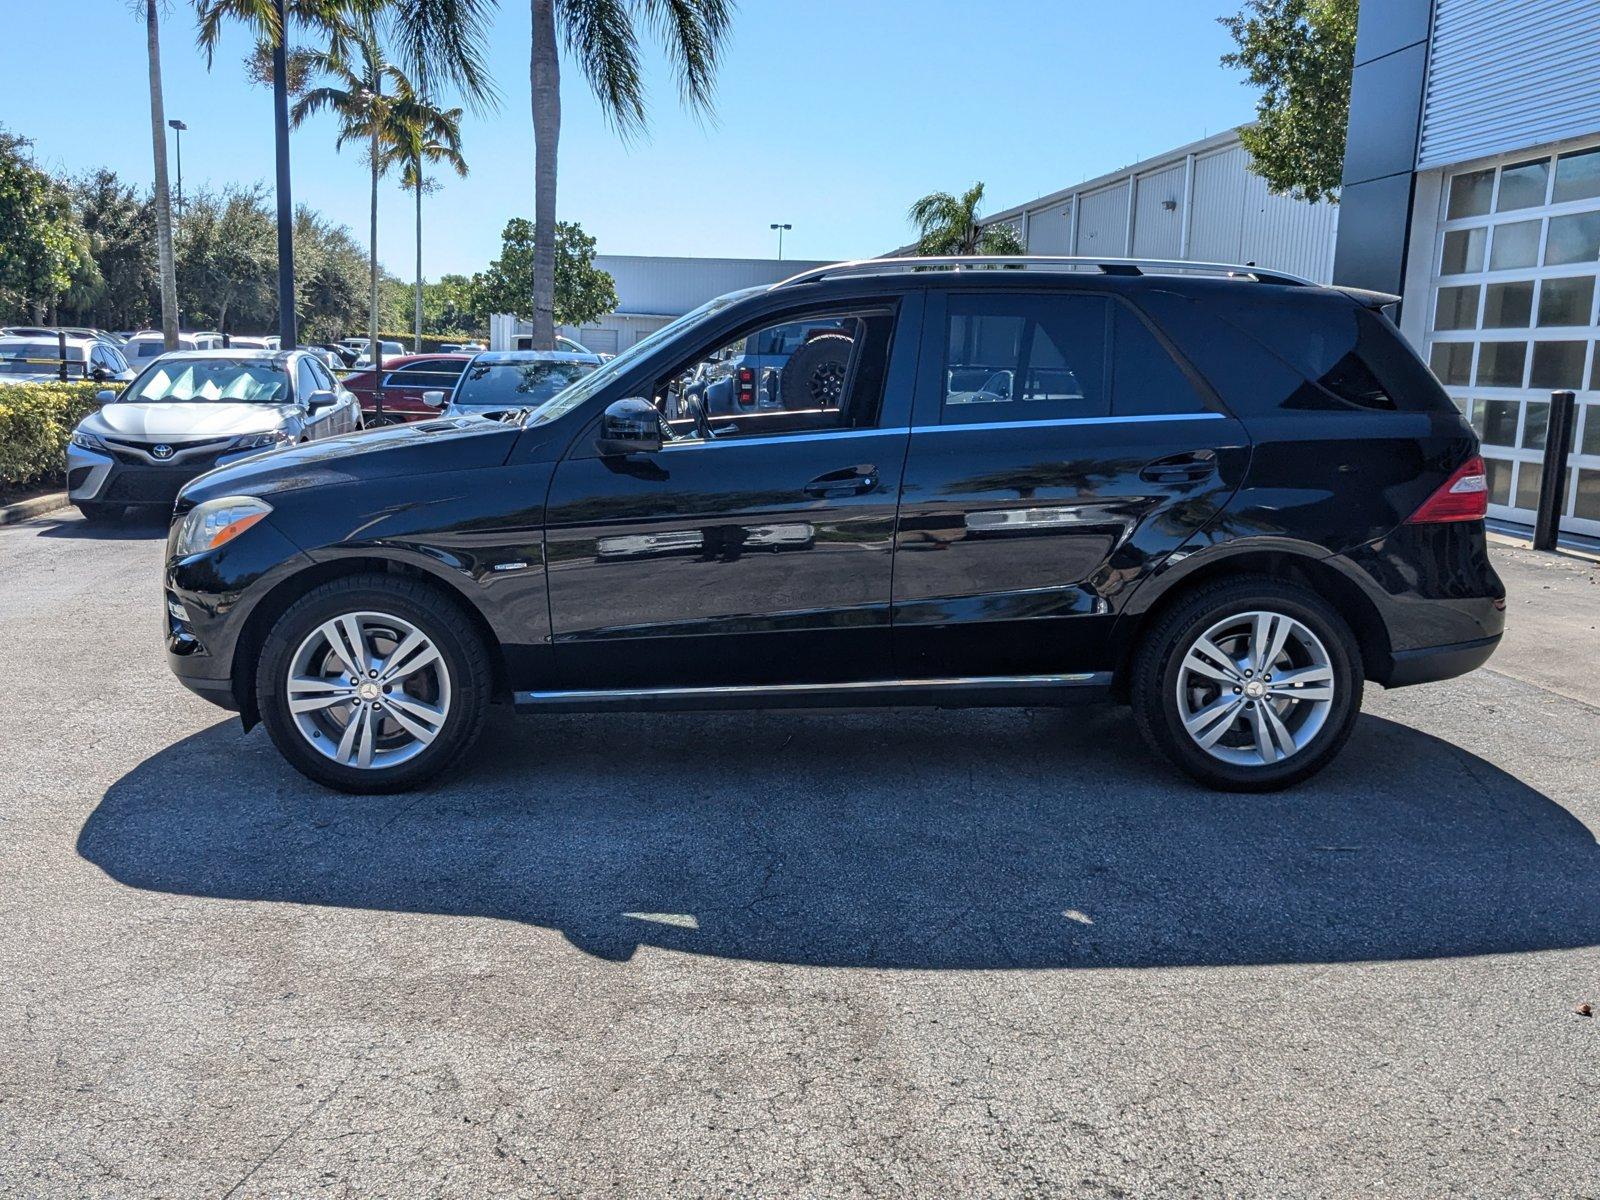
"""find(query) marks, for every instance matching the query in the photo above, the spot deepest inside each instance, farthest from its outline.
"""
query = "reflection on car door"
(780, 534)
(1057, 446)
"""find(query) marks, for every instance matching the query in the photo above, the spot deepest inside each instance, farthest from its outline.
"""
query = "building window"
(1513, 317)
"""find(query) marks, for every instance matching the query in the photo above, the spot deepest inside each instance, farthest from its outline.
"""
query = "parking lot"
(948, 953)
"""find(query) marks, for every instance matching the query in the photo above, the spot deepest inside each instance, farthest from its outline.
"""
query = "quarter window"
(440, 374)
(1018, 357)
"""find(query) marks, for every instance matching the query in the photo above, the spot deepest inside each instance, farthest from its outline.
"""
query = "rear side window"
(1318, 351)
(1145, 380)
(1024, 357)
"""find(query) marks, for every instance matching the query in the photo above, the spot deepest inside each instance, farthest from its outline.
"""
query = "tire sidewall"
(443, 625)
(1159, 686)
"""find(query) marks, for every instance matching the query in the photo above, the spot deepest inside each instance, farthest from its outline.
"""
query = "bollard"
(1553, 482)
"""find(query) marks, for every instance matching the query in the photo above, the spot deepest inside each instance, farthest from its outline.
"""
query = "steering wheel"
(697, 413)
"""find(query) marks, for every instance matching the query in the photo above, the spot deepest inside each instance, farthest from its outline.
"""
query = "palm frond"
(693, 32)
(601, 36)
(444, 41)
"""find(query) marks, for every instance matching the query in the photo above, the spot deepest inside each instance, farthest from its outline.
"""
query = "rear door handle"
(1189, 467)
(848, 481)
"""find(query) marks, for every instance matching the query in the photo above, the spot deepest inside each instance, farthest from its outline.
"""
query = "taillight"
(1462, 497)
(747, 386)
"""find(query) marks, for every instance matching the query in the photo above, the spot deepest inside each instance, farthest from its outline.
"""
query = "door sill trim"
(981, 691)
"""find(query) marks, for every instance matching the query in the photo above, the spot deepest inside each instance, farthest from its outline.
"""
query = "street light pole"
(280, 120)
(177, 132)
(775, 225)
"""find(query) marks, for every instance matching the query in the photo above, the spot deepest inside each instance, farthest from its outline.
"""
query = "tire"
(98, 513)
(1175, 688)
(386, 610)
(815, 374)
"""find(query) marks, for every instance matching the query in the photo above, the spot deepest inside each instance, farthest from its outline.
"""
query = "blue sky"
(832, 115)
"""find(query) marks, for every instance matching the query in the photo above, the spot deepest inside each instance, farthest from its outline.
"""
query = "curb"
(34, 506)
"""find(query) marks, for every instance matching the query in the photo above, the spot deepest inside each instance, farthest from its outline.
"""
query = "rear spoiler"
(1378, 302)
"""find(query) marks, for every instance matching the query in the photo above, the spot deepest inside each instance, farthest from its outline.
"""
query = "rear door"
(1058, 451)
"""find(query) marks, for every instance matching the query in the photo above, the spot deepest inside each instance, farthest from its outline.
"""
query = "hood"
(425, 448)
(171, 421)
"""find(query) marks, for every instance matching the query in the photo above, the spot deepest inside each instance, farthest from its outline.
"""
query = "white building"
(651, 291)
(1199, 202)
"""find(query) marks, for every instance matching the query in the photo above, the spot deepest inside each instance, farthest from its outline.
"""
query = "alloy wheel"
(1255, 688)
(368, 690)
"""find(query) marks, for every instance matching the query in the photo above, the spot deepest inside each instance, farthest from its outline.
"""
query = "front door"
(754, 548)
(1058, 450)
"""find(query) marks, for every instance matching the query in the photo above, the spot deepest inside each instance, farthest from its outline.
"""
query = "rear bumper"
(1433, 663)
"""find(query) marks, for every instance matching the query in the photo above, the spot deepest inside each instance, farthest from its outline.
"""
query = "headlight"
(86, 441)
(217, 522)
(262, 441)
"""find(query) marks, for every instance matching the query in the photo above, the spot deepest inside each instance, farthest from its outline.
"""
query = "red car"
(405, 378)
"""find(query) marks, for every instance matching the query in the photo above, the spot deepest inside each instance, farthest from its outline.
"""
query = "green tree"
(372, 99)
(603, 37)
(330, 271)
(227, 261)
(447, 305)
(120, 225)
(948, 224)
(44, 251)
(425, 135)
(1300, 54)
(583, 292)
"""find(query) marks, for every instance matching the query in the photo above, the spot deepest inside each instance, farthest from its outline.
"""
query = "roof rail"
(1106, 266)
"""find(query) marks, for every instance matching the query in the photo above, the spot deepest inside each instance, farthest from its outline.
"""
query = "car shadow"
(920, 840)
(136, 525)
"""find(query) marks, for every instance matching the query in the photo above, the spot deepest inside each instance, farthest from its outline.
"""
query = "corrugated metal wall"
(1216, 225)
(672, 286)
(1050, 230)
(1158, 231)
(1505, 74)
(1103, 222)
(1290, 235)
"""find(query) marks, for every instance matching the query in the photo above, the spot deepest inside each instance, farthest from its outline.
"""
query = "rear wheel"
(1249, 685)
(373, 684)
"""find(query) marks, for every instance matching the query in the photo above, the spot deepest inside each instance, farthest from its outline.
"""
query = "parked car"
(150, 344)
(752, 373)
(29, 359)
(1226, 497)
(245, 342)
(72, 331)
(388, 350)
(405, 379)
(524, 341)
(332, 359)
(500, 383)
(193, 410)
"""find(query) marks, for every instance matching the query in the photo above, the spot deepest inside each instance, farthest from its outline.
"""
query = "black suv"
(1224, 496)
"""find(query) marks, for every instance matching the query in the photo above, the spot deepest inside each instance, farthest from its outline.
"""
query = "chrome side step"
(955, 692)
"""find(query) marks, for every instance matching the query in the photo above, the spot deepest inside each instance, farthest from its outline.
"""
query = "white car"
(28, 359)
(150, 344)
(387, 349)
(190, 411)
(498, 383)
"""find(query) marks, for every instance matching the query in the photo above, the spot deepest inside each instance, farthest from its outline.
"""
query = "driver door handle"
(848, 481)
(1191, 467)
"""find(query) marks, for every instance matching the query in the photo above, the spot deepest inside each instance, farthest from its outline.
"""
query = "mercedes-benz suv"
(1221, 495)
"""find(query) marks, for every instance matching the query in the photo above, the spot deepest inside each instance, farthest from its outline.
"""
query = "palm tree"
(426, 135)
(373, 99)
(158, 134)
(949, 224)
(603, 37)
(440, 41)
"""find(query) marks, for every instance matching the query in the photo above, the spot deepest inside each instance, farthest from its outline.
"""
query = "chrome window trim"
(829, 434)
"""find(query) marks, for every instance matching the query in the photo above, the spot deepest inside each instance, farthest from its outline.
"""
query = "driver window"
(819, 372)
(305, 381)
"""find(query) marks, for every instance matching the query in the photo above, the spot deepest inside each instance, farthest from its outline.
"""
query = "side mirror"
(630, 426)
(319, 400)
(433, 398)
(104, 396)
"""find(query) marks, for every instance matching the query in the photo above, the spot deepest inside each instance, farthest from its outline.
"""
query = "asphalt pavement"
(984, 953)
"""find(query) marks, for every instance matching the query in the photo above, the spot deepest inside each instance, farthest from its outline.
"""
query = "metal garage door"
(1512, 316)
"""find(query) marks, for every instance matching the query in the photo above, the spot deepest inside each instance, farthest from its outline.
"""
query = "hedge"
(35, 421)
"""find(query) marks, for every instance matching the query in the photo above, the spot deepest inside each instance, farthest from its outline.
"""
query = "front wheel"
(1249, 685)
(373, 684)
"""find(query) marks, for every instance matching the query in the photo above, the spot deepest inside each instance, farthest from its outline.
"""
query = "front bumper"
(126, 477)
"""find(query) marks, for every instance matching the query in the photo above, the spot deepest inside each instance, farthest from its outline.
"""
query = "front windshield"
(516, 384)
(591, 384)
(211, 380)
